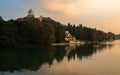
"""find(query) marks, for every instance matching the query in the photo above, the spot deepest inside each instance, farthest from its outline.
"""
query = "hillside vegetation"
(24, 31)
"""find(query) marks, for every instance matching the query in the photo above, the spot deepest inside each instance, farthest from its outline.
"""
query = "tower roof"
(30, 13)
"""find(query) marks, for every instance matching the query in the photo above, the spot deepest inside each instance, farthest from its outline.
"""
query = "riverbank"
(80, 43)
(64, 43)
(54, 44)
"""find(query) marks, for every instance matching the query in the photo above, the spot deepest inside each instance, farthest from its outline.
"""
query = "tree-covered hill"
(58, 27)
(85, 33)
(25, 31)
(32, 31)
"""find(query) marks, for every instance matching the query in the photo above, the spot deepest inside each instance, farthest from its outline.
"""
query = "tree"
(7, 34)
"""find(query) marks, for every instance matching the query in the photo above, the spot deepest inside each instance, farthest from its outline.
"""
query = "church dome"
(30, 13)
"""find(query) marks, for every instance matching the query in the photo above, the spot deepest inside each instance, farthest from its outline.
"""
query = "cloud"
(93, 13)
(60, 7)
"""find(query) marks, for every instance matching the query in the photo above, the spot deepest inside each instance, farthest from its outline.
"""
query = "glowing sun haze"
(100, 14)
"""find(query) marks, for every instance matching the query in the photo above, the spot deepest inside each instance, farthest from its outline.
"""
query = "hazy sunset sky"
(100, 14)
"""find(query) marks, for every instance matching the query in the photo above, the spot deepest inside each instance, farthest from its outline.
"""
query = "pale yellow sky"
(100, 14)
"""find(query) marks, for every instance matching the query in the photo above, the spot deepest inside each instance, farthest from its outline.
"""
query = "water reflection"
(22, 59)
(86, 51)
(18, 59)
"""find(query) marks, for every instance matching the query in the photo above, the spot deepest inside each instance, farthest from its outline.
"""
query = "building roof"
(30, 13)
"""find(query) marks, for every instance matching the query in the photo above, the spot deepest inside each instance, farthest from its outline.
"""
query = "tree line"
(89, 34)
(24, 31)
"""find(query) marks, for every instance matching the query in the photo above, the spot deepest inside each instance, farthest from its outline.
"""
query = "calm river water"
(101, 59)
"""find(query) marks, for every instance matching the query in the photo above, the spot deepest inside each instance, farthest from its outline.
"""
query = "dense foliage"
(59, 30)
(25, 31)
(30, 30)
(85, 33)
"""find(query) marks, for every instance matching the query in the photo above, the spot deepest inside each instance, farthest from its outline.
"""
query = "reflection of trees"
(33, 58)
(87, 50)
(60, 53)
(81, 51)
(19, 59)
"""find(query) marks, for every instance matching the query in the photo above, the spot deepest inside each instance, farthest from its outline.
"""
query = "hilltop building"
(30, 13)
(41, 18)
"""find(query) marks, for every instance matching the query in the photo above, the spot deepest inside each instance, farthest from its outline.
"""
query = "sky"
(100, 14)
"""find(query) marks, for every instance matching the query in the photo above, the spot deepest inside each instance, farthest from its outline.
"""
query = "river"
(89, 59)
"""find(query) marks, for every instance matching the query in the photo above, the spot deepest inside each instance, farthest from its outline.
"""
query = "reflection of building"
(70, 48)
(69, 38)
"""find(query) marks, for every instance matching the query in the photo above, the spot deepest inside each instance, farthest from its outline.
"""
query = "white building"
(40, 18)
(69, 38)
(30, 13)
